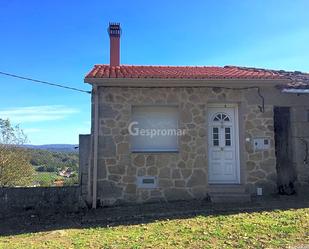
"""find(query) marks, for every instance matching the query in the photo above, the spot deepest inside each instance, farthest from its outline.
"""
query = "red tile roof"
(297, 79)
(181, 72)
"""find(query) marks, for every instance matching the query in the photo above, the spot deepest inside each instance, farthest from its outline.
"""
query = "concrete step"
(229, 197)
(226, 188)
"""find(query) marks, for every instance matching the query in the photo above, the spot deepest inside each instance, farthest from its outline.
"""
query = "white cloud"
(31, 130)
(37, 113)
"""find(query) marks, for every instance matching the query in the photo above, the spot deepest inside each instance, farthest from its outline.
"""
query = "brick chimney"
(114, 32)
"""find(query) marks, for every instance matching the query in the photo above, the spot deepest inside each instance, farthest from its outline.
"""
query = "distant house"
(67, 172)
(162, 133)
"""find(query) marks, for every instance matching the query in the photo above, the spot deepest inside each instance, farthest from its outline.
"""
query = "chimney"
(114, 32)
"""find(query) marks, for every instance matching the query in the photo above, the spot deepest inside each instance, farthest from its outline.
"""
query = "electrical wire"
(261, 107)
(44, 82)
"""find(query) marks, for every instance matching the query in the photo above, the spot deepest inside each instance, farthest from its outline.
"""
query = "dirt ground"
(46, 220)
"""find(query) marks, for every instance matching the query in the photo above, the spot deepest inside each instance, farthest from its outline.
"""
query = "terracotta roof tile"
(297, 79)
(178, 72)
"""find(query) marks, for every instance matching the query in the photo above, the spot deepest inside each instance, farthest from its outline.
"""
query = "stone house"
(162, 133)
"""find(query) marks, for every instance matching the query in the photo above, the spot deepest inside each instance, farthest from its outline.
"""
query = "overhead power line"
(45, 82)
(262, 107)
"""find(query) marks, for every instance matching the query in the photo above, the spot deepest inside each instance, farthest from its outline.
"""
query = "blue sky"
(59, 41)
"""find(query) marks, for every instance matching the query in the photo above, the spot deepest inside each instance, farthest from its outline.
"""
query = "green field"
(47, 179)
(275, 229)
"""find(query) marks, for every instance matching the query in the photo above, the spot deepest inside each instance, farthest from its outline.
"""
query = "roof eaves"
(183, 82)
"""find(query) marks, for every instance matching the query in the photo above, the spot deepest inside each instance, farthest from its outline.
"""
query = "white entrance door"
(223, 144)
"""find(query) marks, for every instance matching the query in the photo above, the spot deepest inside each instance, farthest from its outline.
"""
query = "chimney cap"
(114, 29)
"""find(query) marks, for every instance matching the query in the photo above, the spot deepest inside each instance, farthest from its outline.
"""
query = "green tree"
(15, 167)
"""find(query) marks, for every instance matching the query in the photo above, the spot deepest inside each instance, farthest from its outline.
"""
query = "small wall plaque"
(146, 182)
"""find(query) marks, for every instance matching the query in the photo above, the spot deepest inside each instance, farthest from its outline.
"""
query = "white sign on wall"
(261, 143)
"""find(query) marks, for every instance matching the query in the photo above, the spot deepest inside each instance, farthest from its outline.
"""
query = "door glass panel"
(215, 136)
(221, 117)
(227, 136)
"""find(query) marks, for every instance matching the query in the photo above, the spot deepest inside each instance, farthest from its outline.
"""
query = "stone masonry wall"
(260, 165)
(61, 199)
(181, 175)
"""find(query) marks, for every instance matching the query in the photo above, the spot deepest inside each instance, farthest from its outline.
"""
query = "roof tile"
(297, 79)
(178, 72)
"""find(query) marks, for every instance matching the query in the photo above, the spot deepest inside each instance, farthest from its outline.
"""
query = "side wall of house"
(182, 175)
(85, 166)
(300, 142)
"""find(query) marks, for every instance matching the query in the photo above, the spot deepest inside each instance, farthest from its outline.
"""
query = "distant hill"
(54, 147)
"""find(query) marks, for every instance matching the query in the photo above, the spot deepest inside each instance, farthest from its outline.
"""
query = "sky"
(60, 41)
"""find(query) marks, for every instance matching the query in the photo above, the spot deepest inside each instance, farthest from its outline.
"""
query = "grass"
(275, 229)
(45, 178)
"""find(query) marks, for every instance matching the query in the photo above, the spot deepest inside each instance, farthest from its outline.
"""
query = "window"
(227, 136)
(221, 117)
(154, 129)
(215, 136)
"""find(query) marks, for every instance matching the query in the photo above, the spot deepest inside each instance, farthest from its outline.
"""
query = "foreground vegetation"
(15, 167)
(21, 166)
(276, 229)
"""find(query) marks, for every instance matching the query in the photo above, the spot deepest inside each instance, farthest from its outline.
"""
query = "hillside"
(49, 165)
(54, 147)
